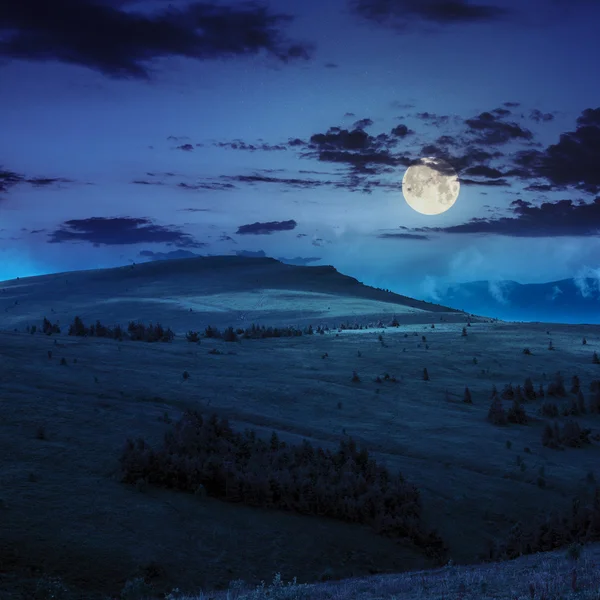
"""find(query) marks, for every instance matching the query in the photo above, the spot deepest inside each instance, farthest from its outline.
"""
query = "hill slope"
(192, 293)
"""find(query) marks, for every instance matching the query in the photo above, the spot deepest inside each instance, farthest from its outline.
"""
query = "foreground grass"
(574, 575)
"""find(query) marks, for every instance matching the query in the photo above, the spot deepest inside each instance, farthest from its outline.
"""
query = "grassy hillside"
(66, 510)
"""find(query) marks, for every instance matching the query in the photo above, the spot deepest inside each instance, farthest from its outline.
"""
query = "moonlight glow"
(430, 186)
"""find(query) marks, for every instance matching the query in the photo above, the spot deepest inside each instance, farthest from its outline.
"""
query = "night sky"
(134, 128)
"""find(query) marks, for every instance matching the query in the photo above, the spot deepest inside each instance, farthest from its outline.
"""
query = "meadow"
(71, 527)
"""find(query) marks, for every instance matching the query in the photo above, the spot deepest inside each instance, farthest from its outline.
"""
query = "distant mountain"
(564, 301)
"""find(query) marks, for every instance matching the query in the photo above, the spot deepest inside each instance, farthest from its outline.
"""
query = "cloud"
(573, 160)
(433, 119)
(587, 281)
(491, 130)
(8, 179)
(444, 12)
(40, 30)
(472, 146)
(266, 228)
(362, 123)
(430, 288)
(556, 291)
(114, 231)
(241, 145)
(550, 219)
(537, 116)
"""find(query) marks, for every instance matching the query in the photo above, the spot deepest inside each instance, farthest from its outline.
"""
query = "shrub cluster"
(572, 435)
(135, 331)
(347, 485)
(580, 525)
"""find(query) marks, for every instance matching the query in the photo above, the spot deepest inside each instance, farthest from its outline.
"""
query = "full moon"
(430, 186)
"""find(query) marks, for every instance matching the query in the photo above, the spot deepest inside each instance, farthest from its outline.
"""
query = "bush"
(192, 336)
(467, 398)
(212, 332)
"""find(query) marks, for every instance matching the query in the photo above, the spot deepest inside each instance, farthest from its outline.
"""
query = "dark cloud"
(362, 123)
(574, 160)
(550, 219)
(292, 182)
(432, 118)
(241, 145)
(471, 146)
(121, 44)
(488, 183)
(330, 65)
(401, 131)
(208, 185)
(266, 228)
(45, 181)
(114, 231)
(185, 147)
(492, 130)
(8, 179)
(363, 153)
(483, 171)
(538, 116)
(407, 12)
